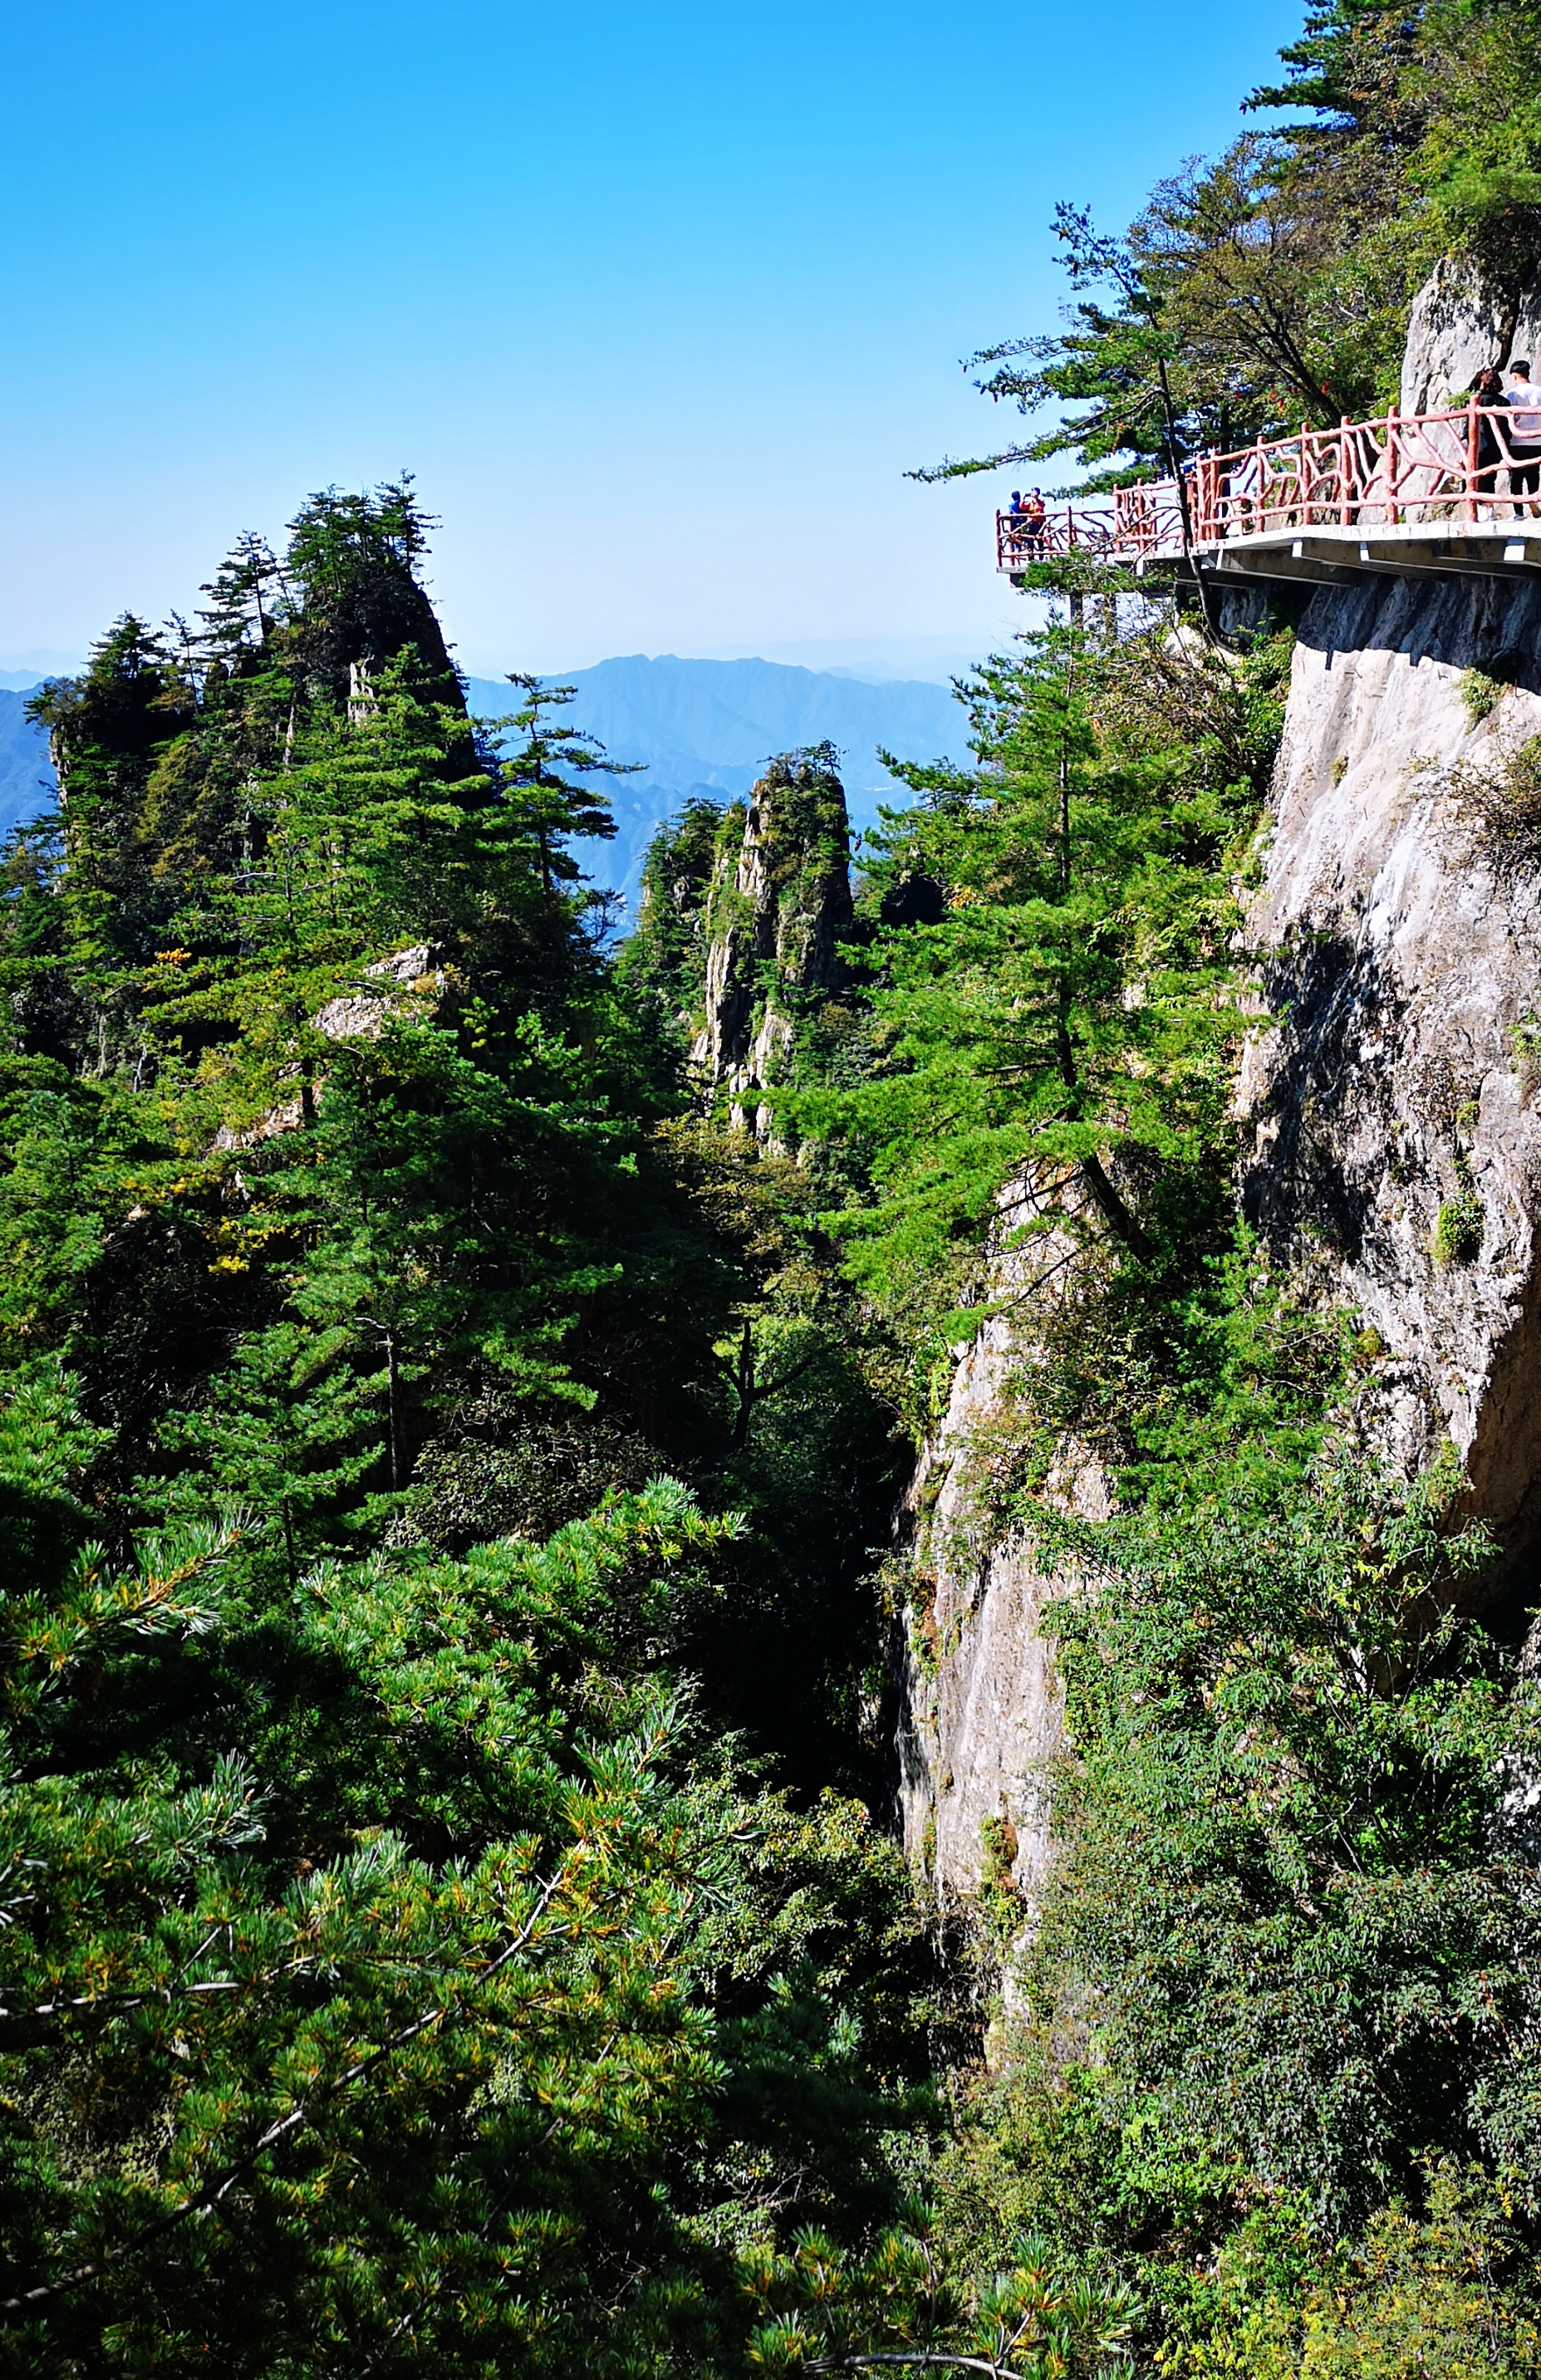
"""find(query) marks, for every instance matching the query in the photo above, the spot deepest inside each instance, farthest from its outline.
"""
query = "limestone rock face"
(410, 982)
(1399, 943)
(982, 1713)
(1457, 325)
(407, 978)
(1392, 1149)
(779, 903)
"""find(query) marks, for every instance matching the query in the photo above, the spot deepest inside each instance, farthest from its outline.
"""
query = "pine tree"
(550, 809)
(1070, 1011)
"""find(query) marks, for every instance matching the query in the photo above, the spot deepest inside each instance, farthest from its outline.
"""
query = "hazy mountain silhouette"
(701, 727)
(709, 728)
(26, 775)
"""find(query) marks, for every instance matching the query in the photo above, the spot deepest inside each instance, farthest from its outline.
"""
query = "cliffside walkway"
(1416, 494)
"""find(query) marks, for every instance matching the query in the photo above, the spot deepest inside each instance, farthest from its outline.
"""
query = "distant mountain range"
(709, 728)
(26, 775)
(700, 727)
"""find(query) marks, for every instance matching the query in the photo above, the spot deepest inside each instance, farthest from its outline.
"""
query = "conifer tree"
(1070, 1009)
(550, 809)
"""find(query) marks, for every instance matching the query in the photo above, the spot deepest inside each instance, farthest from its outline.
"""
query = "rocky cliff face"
(1393, 1144)
(777, 904)
(1458, 324)
(980, 1709)
(1392, 1151)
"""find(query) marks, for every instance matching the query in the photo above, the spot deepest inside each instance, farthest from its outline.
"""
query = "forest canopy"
(469, 1393)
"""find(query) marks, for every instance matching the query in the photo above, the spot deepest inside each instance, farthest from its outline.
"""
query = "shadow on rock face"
(1326, 1131)
(1364, 1142)
(1463, 623)
(1395, 1144)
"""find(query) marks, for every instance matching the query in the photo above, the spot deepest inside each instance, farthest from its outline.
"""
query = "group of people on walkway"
(1508, 440)
(1029, 518)
(1514, 443)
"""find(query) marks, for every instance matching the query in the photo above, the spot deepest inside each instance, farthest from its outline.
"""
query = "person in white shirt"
(1524, 438)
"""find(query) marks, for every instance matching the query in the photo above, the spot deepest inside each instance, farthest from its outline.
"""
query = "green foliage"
(1269, 2060)
(1213, 2261)
(1501, 795)
(1461, 1223)
(1451, 2293)
(1482, 690)
(446, 1481)
(453, 1991)
(407, 1963)
(1284, 1950)
(1280, 1895)
(285, 1429)
(1001, 1902)
(1071, 1013)
(1478, 167)
(188, 2019)
(106, 728)
(665, 956)
(801, 1444)
(1524, 1043)
(542, 805)
(825, 2312)
(1459, 1229)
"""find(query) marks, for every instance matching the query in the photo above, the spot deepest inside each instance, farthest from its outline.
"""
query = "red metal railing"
(1138, 523)
(1464, 466)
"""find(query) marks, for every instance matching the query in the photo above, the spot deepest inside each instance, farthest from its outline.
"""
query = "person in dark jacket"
(1491, 454)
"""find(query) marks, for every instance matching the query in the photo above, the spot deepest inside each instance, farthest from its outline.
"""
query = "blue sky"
(658, 301)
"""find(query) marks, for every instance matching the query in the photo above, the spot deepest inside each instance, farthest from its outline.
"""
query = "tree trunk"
(745, 1384)
(1114, 1212)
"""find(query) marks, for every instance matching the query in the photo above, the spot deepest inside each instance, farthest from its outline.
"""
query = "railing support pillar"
(1473, 448)
(1345, 507)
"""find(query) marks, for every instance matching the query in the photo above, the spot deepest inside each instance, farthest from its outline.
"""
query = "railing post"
(1473, 448)
(1392, 506)
(1070, 525)
(1310, 475)
(1345, 509)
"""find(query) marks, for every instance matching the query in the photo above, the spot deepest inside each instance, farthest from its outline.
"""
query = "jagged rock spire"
(779, 904)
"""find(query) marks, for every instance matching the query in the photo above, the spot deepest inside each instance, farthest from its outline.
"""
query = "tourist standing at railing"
(1035, 512)
(1488, 391)
(1525, 404)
